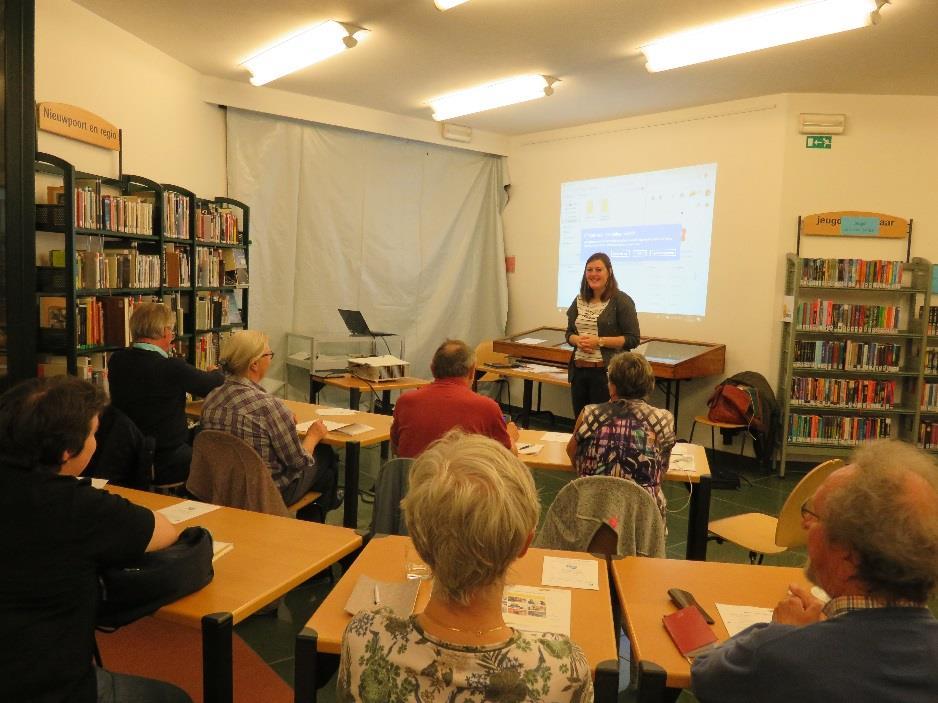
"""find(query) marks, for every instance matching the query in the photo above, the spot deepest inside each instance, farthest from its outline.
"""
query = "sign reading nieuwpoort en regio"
(77, 123)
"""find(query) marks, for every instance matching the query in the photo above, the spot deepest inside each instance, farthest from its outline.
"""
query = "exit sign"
(818, 142)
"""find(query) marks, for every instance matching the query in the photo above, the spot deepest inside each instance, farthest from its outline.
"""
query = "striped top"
(586, 323)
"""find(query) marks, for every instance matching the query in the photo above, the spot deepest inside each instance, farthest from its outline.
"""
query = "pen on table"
(524, 445)
(377, 595)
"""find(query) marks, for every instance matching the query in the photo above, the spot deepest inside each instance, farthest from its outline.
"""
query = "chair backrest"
(227, 471)
(788, 532)
(576, 518)
(390, 488)
(485, 354)
(124, 454)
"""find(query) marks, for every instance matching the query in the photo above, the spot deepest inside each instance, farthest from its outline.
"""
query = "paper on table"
(335, 411)
(539, 368)
(682, 462)
(737, 618)
(368, 593)
(186, 510)
(571, 573)
(333, 425)
(530, 340)
(353, 429)
(98, 482)
(537, 609)
(556, 436)
(220, 548)
(682, 449)
(300, 356)
(529, 448)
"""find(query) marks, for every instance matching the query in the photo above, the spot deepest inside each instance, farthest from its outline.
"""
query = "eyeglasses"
(270, 354)
(806, 511)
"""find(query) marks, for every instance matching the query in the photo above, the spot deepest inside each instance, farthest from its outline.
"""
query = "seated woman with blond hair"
(625, 437)
(471, 512)
(243, 408)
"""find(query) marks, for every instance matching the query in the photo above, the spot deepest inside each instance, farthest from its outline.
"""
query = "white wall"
(170, 134)
(745, 139)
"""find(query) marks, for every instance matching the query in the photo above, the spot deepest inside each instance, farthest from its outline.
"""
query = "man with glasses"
(149, 385)
(872, 539)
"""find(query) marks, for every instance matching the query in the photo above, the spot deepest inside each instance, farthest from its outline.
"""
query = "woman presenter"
(600, 322)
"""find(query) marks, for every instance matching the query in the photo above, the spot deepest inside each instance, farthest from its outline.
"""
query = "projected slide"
(656, 228)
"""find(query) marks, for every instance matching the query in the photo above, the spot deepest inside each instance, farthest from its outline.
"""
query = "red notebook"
(690, 631)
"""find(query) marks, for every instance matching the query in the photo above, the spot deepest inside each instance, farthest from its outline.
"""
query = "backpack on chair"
(736, 404)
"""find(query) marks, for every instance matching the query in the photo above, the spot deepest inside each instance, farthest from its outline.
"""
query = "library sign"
(851, 223)
(76, 123)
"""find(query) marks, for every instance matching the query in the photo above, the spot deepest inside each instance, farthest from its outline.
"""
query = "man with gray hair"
(873, 547)
(426, 414)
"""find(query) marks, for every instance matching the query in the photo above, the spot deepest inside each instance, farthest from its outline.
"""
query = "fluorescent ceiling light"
(304, 49)
(485, 97)
(783, 25)
(447, 4)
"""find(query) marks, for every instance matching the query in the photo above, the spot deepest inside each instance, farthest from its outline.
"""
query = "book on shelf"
(55, 195)
(175, 215)
(852, 273)
(844, 430)
(210, 267)
(928, 434)
(177, 272)
(216, 224)
(830, 316)
(848, 355)
(931, 321)
(52, 313)
(87, 193)
(844, 393)
(236, 267)
(57, 258)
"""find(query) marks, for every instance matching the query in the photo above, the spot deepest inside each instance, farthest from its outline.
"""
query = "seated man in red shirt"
(426, 414)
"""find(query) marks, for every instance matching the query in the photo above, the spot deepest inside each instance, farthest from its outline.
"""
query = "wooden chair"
(227, 471)
(722, 426)
(763, 534)
(485, 354)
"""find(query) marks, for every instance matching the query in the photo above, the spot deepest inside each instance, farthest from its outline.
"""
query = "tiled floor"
(272, 635)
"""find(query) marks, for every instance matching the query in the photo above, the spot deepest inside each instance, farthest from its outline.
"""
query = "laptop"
(355, 322)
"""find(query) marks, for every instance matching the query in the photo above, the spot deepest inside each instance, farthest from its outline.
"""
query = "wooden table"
(352, 444)
(672, 360)
(355, 386)
(554, 457)
(270, 556)
(642, 586)
(591, 624)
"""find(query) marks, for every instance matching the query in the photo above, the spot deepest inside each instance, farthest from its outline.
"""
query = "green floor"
(272, 635)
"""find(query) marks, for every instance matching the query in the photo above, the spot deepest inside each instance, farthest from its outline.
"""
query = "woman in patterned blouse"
(625, 437)
(471, 512)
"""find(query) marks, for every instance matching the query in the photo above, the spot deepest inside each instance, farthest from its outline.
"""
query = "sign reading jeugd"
(76, 123)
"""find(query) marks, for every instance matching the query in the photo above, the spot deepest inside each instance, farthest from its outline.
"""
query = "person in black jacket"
(150, 387)
(601, 322)
(60, 532)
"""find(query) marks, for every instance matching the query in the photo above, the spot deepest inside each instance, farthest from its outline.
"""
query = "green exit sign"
(818, 142)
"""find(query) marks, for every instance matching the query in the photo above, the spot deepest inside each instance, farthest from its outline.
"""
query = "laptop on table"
(357, 327)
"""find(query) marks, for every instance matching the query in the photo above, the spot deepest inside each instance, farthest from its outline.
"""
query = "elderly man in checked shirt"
(243, 408)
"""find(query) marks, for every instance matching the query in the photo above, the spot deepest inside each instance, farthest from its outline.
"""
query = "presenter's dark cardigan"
(619, 319)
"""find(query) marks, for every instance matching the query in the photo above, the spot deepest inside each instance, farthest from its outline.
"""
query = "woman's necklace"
(460, 629)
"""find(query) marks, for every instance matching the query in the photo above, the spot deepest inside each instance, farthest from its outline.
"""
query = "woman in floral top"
(625, 437)
(471, 512)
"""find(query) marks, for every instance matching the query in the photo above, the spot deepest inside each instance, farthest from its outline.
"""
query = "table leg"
(606, 683)
(354, 398)
(217, 684)
(352, 457)
(304, 666)
(386, 402)
(526, 403)
(698, 520)
(385, 451)
(652, 683)
(677, 399)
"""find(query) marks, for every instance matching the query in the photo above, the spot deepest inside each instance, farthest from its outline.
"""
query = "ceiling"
(415, 52)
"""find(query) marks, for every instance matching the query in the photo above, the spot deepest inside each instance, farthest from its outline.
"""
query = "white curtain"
(408, 233)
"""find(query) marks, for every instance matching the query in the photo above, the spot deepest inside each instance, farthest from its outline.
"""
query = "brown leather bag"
(735, 405)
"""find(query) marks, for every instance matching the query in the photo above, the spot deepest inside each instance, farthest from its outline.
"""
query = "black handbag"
(132, 591)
